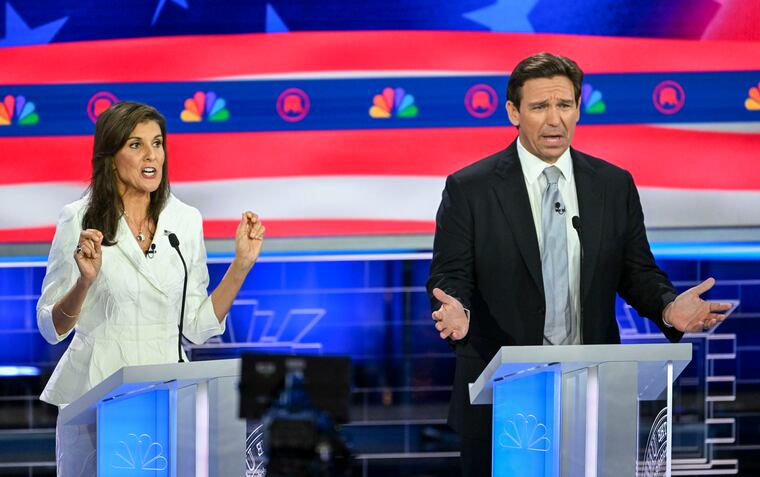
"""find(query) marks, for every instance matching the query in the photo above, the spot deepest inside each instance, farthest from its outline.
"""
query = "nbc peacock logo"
(592, 100)
(205, 105)
(17, 109)
(752, 103)
(393, 102)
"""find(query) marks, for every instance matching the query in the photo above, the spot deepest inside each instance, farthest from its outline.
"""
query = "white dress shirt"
(535, 181)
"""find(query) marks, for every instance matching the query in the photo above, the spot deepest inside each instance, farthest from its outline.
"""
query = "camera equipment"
(300, 400)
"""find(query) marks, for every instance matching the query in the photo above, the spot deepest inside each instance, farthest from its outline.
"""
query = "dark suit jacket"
(486, 254)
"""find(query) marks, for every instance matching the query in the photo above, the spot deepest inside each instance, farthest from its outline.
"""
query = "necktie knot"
(552, 174)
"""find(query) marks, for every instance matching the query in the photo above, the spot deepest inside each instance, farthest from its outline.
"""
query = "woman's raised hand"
(88, 254)
(249, 238)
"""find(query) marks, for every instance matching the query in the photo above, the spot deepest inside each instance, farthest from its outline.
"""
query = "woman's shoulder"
(175, 206)
(73, 211)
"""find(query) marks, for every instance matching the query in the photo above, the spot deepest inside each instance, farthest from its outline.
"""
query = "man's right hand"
(451, 320)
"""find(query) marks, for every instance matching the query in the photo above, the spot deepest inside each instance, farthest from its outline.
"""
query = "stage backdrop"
(343, 117)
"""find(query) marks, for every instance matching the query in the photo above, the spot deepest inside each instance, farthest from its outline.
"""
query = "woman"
(112, 274)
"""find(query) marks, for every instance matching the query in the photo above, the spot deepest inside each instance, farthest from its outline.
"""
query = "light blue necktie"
(554, 261)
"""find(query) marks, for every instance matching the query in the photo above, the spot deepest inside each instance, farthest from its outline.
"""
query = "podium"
(177, 419)
(590, 410)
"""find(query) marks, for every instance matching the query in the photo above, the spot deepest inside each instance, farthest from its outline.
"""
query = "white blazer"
(131, 313)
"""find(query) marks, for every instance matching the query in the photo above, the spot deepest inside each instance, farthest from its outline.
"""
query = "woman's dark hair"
(543, 65)
(114, 125)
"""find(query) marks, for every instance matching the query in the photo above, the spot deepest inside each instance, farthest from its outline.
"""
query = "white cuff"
(46, 326)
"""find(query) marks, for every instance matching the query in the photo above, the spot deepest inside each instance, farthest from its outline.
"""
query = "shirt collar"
(533, 167)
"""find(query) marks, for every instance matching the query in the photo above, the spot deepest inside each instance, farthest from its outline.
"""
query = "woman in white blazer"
(112, 275)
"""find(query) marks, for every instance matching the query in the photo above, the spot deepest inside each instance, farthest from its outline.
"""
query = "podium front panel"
(136, 434)
(526, 424)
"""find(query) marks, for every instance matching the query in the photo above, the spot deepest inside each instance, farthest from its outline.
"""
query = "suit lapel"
(512, 195)
(591, 211)
(127, 246)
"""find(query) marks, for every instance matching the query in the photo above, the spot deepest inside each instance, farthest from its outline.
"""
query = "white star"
(161, 3)
(18, 33)
(505, 16)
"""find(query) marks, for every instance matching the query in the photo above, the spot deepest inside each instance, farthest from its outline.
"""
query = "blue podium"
(591, 410)
(167, 420)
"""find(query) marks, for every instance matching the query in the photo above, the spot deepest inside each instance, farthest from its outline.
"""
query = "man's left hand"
(451, 319)
(689, 312)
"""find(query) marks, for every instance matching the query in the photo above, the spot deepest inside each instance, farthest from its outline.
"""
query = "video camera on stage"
(297, 404)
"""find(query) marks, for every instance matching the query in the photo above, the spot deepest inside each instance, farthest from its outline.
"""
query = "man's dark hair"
(543, 65)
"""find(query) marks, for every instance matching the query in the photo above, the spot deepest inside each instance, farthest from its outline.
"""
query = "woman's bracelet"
(60, 308)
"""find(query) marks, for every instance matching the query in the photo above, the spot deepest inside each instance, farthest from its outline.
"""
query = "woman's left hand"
(249, 238)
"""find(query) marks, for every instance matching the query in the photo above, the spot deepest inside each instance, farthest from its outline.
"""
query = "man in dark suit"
(532, 244)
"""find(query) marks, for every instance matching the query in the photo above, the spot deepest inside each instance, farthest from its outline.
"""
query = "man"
(532, 244)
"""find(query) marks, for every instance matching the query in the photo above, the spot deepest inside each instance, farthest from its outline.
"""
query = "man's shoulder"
(483, 169)
(600, 166)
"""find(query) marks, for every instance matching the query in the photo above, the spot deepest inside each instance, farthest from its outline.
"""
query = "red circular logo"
(481, 101)
(668, 97)
(293, 104)
(98, 103)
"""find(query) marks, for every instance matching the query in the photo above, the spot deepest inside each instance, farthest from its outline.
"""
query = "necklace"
(140, 237)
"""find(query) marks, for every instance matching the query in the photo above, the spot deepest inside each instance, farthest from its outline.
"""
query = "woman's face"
(139, 163)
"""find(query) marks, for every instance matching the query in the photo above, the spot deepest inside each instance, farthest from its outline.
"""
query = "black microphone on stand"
(174, 242)
(577, 226)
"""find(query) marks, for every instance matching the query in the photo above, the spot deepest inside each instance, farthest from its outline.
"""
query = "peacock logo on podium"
(525, 432)
(254, 452)
(141, 453)
(655, 456)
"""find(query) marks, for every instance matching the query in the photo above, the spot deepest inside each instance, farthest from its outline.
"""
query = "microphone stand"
(174, 242)
(576, 221)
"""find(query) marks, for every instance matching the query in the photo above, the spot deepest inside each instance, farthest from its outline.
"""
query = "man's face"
(547, 116)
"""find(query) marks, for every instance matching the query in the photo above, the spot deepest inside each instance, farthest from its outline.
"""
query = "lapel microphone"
(174, 242)
(151, 251)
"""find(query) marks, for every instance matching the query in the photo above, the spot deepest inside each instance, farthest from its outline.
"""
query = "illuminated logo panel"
(98, 103)
(668, 97)
(752, 103)
(16, 109)
(481, 101)
(393, 102)
(592, 101)
(205, 105)
(293, 105)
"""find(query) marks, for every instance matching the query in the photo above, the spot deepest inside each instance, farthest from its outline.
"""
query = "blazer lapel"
(591, 210)
(512, 195)
(126, 244)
